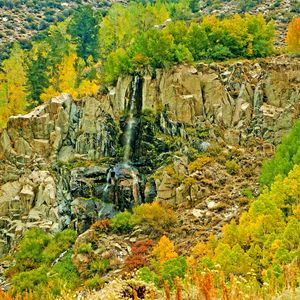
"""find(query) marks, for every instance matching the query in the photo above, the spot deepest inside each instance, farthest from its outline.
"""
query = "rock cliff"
(57, 161)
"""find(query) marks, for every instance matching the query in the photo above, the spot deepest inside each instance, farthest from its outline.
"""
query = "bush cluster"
(37, 253)
(152, 215)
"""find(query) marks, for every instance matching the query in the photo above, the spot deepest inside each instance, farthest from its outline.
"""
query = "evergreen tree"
(84, 29)
(37, 78)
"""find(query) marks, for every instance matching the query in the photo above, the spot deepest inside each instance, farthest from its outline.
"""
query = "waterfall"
(131, 120)
(123, 183)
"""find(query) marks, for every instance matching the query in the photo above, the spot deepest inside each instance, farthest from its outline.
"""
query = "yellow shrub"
(199, 163)
(155, 215)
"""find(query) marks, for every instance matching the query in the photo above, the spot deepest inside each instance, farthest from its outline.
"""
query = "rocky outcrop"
(37, 188)
(57, 161)
(246, 99)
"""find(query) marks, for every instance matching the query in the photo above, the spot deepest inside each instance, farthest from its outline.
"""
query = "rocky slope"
(60, 164)
(22, 19)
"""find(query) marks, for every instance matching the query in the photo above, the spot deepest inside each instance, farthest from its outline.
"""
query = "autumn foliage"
(139, 255)
(164, 250)
(293, 36)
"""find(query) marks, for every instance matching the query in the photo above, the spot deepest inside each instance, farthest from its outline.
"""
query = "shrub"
(30, 280)
(214, 149)
(247, 192)
(101, 225)
(99, 266)
(286, 156)
(155, 215)
(148, 276)
(95, 283)
(61, 242)
(30, 255)
(138, 256)
(164, 250)
(135, 261)
(66, 271)
(123, 222)
(84, 248)
(232, 167)
(199, 163)
(173, 268)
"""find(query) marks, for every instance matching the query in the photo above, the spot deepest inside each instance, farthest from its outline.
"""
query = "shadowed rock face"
(124, 186)
(59, 164)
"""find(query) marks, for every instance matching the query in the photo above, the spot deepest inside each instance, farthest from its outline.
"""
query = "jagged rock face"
(55, 160)
(244, 98)
(36, 190)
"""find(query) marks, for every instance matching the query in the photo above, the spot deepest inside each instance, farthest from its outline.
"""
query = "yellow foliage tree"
(293, 36)
(199, 251)
(66, 81)
(164, 250)
(12, 85)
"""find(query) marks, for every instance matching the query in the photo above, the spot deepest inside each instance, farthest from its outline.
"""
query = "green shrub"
(84, 248)
(148, 276)
(61, 242)
(232, 167)
(173, 268)
(33, 260)
(287, 155)
(214, 149)
(65, 271)
(30, 280)
(100, 266)
(247, 192)
(95, 283)
(155, 215)
(199, 163)
(30, 255)
(123, 222)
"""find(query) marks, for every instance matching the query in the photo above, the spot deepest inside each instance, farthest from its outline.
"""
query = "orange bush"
(138, 257)
(101, 225)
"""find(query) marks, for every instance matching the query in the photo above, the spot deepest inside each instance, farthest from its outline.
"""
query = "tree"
(66, 80)
(84, 29)
(12, 84)
(197, 41)
(37, 77)
(181, 10)
(261, 34)
(286, 156)
(164, 250)
(293, 36)
(123, 23)
(155, 47)
(194, 5)
(58, 43)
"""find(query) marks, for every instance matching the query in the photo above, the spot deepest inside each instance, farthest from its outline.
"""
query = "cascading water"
(123, 180)
(132, 122)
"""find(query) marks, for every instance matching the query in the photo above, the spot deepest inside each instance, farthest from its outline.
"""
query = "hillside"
(200, 156)
(20, 20)
(151, 151)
